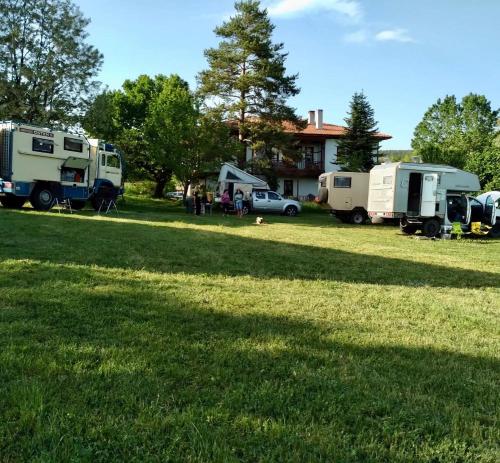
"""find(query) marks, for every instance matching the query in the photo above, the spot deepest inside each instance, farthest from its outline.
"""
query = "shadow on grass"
(102, 367)
(63, 239)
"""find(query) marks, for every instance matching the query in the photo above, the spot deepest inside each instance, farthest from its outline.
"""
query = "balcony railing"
(305, 164)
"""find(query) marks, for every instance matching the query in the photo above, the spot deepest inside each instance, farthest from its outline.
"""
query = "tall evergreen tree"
(46, 66)
(356, 149)
(247, 81)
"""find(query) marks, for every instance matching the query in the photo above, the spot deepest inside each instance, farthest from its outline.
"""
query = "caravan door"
(490, 211)
(429, 195)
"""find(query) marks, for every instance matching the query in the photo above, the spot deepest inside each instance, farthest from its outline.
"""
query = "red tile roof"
(327, 131)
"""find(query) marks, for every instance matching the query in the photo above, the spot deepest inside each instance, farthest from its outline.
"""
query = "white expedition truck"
(42, 165)
(427, 197)
(346, 193)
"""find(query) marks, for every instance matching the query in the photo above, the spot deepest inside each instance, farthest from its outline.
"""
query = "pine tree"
(247, 81)
(356, 149)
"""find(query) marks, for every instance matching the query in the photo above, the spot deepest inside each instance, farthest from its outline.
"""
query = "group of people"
(238, 202)
(202, 203)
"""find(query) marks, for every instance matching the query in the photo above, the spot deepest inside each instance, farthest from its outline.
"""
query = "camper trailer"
(346, 194)
(231, 178)
(424, 197)
(44, 166)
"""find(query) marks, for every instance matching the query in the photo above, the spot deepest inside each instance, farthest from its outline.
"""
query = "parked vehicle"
(270, 201)
(346, 193)
(491, 199)
(425, 197)
(175, 195)
(43, 165)
(232, 178)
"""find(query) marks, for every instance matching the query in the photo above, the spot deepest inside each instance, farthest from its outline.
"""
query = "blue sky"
(404, 54)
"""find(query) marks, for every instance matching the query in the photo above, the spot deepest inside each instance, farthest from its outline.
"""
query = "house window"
(42, 145)
(288, 188)
(309, 155)
(73, 144)
(342, 182)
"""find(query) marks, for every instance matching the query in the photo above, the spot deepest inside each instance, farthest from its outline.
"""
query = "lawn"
(152, 335)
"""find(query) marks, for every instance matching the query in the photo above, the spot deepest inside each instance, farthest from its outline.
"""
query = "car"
(270, 201)
(174, 195)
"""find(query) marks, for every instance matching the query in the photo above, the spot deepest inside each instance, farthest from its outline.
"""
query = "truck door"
(429, 194)
(490, 211)
(110, 168)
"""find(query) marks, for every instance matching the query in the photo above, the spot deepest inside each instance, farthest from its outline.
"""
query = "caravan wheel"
(42, 198)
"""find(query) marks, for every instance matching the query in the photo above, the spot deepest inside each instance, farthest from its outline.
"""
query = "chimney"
(319, 118)
(312, 118)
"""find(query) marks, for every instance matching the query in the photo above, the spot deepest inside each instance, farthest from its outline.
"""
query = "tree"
(247, 82)
(356, 148)
(170, 130)
(46, 67)
(453, 133)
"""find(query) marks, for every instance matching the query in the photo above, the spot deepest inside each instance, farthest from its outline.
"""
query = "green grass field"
(158, 336)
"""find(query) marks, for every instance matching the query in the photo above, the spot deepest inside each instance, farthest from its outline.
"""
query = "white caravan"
(346, 193)
(43, 165)
(426, 197)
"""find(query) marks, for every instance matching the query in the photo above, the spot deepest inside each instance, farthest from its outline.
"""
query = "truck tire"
(12, 202)
(323, 194)
(495, 231)
(77, 204)
(42, 198)
(291, 211)
(104, 195)
(431, 228)
(407, 228)
(358, 217)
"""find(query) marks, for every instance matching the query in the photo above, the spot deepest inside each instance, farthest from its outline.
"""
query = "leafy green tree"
(359, 144)
(247, 81)
(486, 164)
(102, 117)
(453, 133)
(170, 130)
(46, 66)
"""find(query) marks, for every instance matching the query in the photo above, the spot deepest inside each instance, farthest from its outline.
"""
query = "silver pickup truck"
(270, 201)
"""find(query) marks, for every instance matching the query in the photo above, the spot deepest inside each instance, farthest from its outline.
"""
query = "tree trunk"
(186, 188)
(161, 182)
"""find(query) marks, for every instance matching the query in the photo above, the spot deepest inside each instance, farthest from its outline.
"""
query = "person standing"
(197, 203)
(238, 202)
(225, 200)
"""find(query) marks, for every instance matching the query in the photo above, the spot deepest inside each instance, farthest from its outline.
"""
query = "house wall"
(302, 187)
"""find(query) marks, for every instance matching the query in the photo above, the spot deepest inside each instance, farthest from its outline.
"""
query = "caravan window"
(42, 145)
(73, 144)
(342, 182)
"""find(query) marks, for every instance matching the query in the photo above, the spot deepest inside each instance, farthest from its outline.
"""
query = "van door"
(429, 194)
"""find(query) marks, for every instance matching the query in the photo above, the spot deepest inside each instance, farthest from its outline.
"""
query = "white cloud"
(349, 8)
(356, 37)
(396, 35)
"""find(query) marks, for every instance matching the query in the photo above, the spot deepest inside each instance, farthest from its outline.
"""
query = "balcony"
(304, 168)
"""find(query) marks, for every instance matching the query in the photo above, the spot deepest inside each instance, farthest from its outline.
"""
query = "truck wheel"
(42, 198)
(431, 228)
(407, 228)
(358, 217)
(495, 231)
(291, 211)
(77, 204)
(12, 202)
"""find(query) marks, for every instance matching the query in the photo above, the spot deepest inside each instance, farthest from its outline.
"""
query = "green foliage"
(167, 337)
(486, 164)
(247, 81)
(356, 149)
(454, 133)
(397, 155)
(46, 67)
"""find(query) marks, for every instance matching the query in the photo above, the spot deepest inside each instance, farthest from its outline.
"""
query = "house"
(318, 141)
